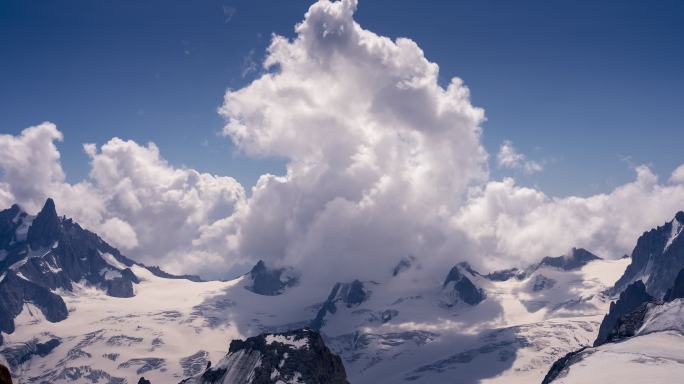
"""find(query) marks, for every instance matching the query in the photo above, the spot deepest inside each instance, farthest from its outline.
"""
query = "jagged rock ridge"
(459, 288)
(41, 254)
(298, 356)
(625, 315)
(350, 294)
(657, 258)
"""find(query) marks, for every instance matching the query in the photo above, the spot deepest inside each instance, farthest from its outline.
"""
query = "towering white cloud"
(380, 155)
(382, 163)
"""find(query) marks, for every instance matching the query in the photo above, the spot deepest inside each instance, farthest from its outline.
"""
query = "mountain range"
(74, 309)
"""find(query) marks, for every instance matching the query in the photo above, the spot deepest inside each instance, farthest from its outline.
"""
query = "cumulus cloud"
(30, 162)
(379, 153)
(677, 176)
(515, 224)
(167, 207)
(383, 163)
(509, 157)
(133, 198)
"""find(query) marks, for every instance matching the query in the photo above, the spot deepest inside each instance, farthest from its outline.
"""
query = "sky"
(204, 136)
(587, 89)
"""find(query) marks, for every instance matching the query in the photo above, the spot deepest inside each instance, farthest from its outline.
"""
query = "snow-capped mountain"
(657, 257)
(501, 329)
(298, 356)
(74, 309)
(44, 253)
(641, 341)
(640, 337)
(507, 326)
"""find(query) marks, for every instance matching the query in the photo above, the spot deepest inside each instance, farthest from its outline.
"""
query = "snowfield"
(402, 331)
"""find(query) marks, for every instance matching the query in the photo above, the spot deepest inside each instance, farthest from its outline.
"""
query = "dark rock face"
(656, 259)
(294, 356)
(349, 294)
(20, 353)
(561, 365)
(460, 288)
(627, 325)
(143, 380)
(578, 258)
(45, 227)
(619, 320)
(8, 225)
(5, 377)
(402, 265)
(677, 290)
(354, 294)
(505, 275)
(542, 282)
(270, 282)
(15, 291)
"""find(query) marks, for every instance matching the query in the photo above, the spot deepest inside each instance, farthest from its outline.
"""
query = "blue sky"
(585, 87)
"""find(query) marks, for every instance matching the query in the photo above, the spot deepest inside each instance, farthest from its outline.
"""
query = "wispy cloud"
(229, 12)
(509, 157)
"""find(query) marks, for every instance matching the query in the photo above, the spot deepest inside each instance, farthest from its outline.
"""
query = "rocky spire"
(44, 230)
(633, 297)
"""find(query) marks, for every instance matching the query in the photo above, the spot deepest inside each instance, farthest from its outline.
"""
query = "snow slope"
(514, 335)
(654, 355)
(172, 327)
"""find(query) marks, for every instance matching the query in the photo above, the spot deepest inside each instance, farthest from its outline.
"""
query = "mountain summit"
(42, 254)
(657, 258)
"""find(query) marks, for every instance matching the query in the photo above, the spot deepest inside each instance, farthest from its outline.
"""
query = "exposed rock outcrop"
(620, 322)
(298, 356)
(677, 290)
(656, 259)
(349, 294)
(270, 281)
(457, 287)
(578, 258)
(558, 367)
(5, 377)
(15, 291)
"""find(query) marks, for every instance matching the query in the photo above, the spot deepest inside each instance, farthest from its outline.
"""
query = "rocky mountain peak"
(459, 288)
(657, 258)
(298, 356)
(576, 259)
(680, 217)
(271, 281)
(350, 294)
(44, 230)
